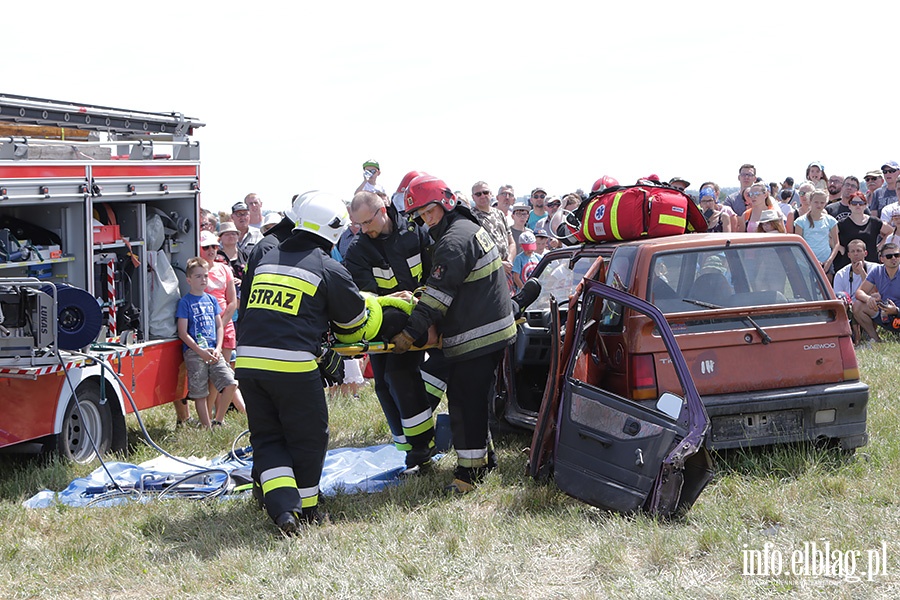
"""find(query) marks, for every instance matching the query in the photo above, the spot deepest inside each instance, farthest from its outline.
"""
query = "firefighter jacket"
(295, 291)
(390, 263)
(466, 294)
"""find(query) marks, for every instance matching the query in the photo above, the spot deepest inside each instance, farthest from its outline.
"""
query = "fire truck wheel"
(73, 441)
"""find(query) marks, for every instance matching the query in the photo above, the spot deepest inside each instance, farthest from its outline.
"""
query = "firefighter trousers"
(470, 389)
(405, 402)
(288, 421)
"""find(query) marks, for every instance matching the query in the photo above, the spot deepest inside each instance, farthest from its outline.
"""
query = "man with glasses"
(391, 255)
(495, 224)
(538, 211)
(506, 197)
(840, 209)
(240, 215)
(835, 187)
(877, 297)
(735, 201)
(874, 180)
(886, 195)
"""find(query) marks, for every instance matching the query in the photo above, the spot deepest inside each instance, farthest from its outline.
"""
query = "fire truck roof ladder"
(119, 124)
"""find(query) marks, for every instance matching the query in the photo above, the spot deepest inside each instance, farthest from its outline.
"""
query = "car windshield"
(737, 276)
(558, 280)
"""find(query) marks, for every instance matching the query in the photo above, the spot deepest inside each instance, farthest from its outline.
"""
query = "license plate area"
(756, 425)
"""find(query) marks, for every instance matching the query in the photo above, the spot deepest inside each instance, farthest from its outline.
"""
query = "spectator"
(849, 278)
(736, 201)
(789, 185)
(494, 223)
(552, 205)
(815, 174)
(538, 195)
(542, 239)
(254, 203)
(506, 197)
(819, 229)
(893, 237)
(272, 219)
(240, 216)
(719, 218)
(840, 209)
(834, 187)
(859, 226)
(874, 180)
(525, 261)
(209, 221)
(221, 287)
(231, 253)
(679, 183)
(877, 297)
(201, 332)
(770, 221)
(803, 192)
(371, 171)
(887, 194)
(758, 195)
(520, 213)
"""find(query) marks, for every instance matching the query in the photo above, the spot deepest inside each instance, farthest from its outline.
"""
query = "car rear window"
(738, 276)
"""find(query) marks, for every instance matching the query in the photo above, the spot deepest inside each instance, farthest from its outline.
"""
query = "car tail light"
(643, 377)
(848, 358)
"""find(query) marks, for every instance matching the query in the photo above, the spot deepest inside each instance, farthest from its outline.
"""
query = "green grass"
(513, 538)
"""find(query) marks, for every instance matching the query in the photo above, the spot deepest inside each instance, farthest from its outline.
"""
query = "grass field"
(513, 538)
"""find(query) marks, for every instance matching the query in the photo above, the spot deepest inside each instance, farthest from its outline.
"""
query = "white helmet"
(320, 213)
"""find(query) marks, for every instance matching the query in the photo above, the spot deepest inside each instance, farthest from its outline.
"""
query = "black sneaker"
(287, 523)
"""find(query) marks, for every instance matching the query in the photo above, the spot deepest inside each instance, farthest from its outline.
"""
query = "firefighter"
(296, 289)
(390, 257)
(467, 298)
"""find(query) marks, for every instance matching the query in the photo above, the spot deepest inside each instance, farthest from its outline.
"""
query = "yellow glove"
(402, 342)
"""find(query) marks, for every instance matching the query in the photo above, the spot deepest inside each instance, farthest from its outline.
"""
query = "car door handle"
(602, 439)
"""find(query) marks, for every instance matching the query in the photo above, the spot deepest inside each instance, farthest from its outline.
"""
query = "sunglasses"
(895, 255)
(755, 194)
(213, 246)
(870, 179)
(857, 203)
(888, 171)
(540, 196)
(484, 193)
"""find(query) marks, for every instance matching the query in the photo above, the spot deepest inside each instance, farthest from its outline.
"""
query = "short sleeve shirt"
(817, 235)
(200, 312)
(887, 287)
(524, 265)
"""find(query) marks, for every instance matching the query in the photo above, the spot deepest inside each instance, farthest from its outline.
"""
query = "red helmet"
(604, 182)
(404, 183)
(425, 190)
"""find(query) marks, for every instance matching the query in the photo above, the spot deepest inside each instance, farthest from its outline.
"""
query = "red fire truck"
(99, 212)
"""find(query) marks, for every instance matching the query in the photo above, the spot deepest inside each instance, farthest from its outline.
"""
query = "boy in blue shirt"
(201, 331)
(526, 260)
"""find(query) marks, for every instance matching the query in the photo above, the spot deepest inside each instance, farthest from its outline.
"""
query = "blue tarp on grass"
(348, 470)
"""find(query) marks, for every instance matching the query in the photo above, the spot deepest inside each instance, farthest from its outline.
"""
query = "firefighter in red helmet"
(467, 298)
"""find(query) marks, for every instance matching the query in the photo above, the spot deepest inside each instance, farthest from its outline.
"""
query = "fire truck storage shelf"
(89, 217)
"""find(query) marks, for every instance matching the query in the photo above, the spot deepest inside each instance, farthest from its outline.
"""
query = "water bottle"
(201, 341)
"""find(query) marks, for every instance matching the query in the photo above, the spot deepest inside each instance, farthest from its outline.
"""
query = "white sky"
(296, 95)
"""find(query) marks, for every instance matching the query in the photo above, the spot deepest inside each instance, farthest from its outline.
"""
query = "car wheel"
(79, 427)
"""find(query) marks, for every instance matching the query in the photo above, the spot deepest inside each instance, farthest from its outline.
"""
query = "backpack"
(630, 213)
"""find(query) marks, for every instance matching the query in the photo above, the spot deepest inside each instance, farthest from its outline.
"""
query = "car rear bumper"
(815, 413)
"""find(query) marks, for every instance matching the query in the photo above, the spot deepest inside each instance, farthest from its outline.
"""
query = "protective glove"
(402, 342)
(331, 366)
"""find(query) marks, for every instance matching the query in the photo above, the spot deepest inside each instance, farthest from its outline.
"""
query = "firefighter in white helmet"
(467, 298)
(296, 291)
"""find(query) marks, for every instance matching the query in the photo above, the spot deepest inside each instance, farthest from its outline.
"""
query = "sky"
(296, 96)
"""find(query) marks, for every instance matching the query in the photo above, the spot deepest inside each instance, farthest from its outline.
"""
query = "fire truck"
(99, 213)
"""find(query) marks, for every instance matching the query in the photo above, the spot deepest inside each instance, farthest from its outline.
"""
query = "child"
(200, 328)
(526, 260)
(543, 240)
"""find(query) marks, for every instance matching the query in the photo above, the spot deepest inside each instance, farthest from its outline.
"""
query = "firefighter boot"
(287, 523)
